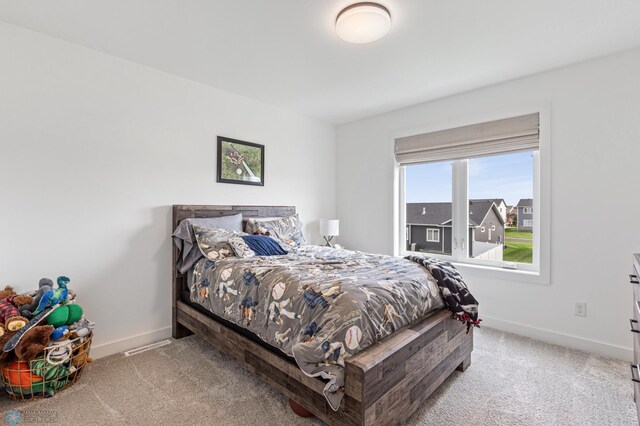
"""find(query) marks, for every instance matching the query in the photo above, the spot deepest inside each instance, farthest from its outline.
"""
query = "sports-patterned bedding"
(319, 305)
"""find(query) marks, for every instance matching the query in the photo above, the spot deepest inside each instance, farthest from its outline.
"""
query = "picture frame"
(240, 162)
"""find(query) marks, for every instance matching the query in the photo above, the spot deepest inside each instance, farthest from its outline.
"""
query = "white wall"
(595, 201)
(95, 149)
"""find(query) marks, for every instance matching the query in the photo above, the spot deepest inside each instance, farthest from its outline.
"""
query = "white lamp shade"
(363, 23)
(329, 227)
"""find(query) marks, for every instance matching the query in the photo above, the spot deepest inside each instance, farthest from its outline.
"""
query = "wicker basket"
(59, 366)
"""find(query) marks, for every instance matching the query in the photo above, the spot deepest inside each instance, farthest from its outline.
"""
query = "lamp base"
(328, 240)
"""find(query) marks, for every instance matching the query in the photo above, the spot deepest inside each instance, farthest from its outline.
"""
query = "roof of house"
(429, 213)
(525, 202)
(441, 213)
(495, 200)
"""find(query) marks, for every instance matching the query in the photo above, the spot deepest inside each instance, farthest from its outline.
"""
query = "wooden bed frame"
(384, 384)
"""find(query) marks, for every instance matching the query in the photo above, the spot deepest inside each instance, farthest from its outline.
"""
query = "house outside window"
(525, 215)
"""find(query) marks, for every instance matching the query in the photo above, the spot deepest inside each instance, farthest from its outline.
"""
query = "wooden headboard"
(181, 212)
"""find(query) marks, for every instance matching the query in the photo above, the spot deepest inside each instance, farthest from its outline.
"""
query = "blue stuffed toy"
(60, 332)
(54, 296)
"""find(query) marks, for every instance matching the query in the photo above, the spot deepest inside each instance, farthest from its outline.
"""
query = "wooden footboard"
(384, 384)
(393, 377)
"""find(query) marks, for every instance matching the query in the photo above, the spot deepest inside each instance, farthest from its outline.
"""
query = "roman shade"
(494, 137)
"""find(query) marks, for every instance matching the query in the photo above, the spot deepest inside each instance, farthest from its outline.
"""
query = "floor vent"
(147, 348)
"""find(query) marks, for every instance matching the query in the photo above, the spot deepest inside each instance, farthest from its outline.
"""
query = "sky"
(508, 176)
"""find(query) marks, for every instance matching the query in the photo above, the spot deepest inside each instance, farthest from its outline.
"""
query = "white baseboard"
(548, 336)
(560, 339)
(121, 345)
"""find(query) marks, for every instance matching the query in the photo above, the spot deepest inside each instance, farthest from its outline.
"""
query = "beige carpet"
(511, 381)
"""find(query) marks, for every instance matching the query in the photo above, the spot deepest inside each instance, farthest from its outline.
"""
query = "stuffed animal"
(33, 342)
(8, 291)
(20, 380)
(80, 357)
(6, 357)
(44, 286)
(56, 376)
(9, 309)
(65, 315)
(60, 332)
(54, 296)
(15, 339)
(81, 328)
(59, 352)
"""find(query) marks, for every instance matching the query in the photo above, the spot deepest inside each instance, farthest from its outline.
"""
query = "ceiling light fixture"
(363, 22)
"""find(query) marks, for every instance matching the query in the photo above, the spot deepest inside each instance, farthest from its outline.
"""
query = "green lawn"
(517, 251)
(513, 233)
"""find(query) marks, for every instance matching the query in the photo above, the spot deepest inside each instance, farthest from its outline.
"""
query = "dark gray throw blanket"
(454, 291)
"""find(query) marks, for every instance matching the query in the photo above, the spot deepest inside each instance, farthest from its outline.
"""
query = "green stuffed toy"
(65, 315)
(55, 377)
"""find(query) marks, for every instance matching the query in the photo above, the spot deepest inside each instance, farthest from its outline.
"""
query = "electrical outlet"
(581, 309)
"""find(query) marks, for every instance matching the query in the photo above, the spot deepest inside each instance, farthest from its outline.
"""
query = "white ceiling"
(285, 52)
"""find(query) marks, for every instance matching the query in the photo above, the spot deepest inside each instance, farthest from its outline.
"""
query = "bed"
(383, 384)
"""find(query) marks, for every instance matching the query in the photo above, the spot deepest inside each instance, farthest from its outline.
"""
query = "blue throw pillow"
(263, 245)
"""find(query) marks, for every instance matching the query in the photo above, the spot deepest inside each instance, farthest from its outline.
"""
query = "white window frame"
(482, 229)
(435, 235)
(493, 227)
(527, 210)
(539, 272)
(527, 223)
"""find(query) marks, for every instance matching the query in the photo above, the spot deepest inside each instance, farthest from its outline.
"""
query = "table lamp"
(329, 228)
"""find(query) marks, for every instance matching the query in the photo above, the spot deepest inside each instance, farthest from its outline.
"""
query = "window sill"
(505, 274)
(491, 272)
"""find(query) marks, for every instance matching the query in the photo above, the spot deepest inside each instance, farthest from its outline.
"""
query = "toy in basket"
(47, 343)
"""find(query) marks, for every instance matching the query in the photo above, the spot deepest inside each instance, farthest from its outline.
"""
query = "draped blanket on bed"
(454, 291)
(318, 305)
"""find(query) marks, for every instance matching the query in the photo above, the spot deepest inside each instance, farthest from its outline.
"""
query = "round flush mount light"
(363, 22)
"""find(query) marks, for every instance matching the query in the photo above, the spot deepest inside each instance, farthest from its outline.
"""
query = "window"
(433, 235)
(466, 194)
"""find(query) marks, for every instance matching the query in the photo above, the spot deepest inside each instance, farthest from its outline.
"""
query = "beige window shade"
(477, 140)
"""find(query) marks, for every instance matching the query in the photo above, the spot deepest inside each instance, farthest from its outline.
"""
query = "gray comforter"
(317, 304)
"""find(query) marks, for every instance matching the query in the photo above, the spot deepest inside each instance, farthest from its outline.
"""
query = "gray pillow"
(286, 230)
(184, 237)
(214, 242)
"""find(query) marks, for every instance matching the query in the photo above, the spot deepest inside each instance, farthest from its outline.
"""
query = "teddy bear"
(10, 303)
(80, 357)
(31, 344)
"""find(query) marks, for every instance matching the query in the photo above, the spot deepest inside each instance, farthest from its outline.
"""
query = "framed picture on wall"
(240, 162)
